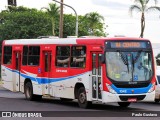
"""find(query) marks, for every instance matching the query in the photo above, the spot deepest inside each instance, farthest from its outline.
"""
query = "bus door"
(96, 76)
(47, 71)
(17, 65)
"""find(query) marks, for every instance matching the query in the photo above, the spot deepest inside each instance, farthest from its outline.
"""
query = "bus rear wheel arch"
(28, 91)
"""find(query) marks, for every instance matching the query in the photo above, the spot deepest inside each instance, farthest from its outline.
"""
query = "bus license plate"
(132, 99)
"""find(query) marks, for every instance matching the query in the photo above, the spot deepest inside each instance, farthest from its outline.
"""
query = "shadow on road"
(110, 106)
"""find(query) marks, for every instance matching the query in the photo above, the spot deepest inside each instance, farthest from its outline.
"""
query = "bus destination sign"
(128, 44)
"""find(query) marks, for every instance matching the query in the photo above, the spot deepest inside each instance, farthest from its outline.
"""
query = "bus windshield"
(129, 66)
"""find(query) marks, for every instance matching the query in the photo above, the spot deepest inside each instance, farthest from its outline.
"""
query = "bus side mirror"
(102, 59)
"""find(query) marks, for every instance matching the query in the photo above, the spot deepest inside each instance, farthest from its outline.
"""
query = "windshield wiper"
(133, 62)
(136, 59)
(125, 60)
(137, 56)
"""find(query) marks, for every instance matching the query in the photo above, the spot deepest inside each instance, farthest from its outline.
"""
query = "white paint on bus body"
(40, 41)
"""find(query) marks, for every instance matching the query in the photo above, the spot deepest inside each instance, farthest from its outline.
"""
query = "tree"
(69, 25)
(94, 22)
(53, 12)
(24, 24)
(142, 7)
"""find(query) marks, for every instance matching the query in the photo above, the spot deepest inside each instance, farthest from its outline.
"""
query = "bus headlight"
(111, 90)
(152, 88)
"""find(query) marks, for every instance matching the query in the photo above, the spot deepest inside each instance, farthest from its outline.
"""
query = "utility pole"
(76, 31)
(12, 2)
(61, 21)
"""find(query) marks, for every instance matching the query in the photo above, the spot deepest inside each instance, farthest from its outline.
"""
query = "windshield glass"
(129, 66)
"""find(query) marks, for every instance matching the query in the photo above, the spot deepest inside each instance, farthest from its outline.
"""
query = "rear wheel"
(124, 104)
(28, 91)
(82, 98)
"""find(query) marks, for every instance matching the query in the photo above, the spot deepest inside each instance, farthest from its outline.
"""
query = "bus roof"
(96, 40)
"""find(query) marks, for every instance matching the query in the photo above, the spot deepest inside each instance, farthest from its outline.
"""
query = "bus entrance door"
(47, 72)
(96, 76)
(17, 66)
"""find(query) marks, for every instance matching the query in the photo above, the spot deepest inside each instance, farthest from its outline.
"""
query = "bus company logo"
(6, 114)
(19, 114)
(63, 71)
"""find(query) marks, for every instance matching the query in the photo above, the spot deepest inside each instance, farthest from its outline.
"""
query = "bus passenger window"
(62, 56)
(78, 56)
(7, 55)
(34, 55)
(25, 55)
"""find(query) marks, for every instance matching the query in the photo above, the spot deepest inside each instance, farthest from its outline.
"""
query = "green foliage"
(95, 24)
(84, 28)
(69, 25)
(24, 23)
(53, 11)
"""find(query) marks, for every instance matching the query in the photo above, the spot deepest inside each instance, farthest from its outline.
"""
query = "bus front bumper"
(145, 97)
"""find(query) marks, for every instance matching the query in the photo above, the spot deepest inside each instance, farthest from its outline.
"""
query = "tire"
(124, 104)
(66, 99)
(157, 100)
(82, 99)
(28, 91)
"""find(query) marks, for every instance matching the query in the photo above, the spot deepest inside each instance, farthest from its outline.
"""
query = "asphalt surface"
(16, 102)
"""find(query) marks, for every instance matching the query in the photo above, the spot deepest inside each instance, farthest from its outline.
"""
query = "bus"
(103, 70)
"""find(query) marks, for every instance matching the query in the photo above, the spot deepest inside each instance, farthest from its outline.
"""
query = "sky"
(115, 12)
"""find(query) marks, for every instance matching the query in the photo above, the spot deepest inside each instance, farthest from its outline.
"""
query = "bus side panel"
(65, 88)
(7, 78)
(22, 84)
(30, 73)
(37, 88)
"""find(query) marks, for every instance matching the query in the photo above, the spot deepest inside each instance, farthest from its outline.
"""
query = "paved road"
(15, 101)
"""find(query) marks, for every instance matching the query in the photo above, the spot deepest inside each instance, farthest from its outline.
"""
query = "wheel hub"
(82, 97)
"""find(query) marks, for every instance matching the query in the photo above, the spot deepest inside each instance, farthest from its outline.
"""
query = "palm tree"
(142, 6)
(53, 12)
(93, 19)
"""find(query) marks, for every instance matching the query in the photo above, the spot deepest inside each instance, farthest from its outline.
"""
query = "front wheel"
(82, 98)
(124, 104)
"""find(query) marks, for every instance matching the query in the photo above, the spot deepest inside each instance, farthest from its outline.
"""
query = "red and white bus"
(88, 69)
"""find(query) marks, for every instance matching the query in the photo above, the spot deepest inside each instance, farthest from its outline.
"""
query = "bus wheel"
(124, 104)
(28, 91)
(82, 98)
